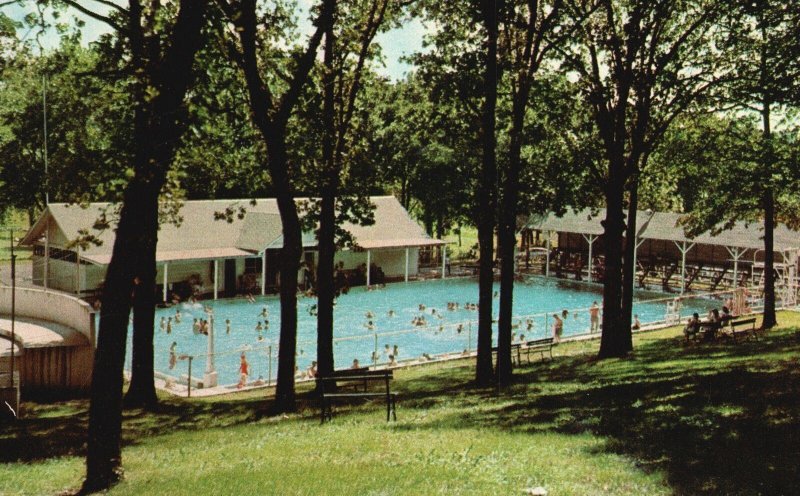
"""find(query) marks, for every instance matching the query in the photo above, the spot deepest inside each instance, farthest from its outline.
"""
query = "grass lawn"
(708, 418)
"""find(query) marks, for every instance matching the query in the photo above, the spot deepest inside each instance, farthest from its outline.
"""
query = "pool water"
(393, 308)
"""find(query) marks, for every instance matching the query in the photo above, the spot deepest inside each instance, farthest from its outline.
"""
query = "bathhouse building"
(201, 253)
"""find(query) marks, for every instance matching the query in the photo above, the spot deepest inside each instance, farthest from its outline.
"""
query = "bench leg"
(393, 409)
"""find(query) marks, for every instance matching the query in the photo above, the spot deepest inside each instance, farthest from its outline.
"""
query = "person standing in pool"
(173, 357)
(558, 328)
(594, 317)
(244, 372)
(227, 326)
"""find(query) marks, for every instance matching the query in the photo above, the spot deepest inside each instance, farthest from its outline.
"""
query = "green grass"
(17, 220)
(707, 418)
(469, 239)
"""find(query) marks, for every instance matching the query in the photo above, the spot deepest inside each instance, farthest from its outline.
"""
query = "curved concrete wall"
(51, 306)
(59, 368)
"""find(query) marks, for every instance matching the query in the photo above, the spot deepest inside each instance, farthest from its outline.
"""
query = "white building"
(216, 257)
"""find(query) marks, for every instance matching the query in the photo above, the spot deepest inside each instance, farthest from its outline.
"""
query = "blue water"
(445, 330)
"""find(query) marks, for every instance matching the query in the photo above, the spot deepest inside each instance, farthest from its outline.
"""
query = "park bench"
(743, 327)
(516, 348)
(539, 346)
(355, 377)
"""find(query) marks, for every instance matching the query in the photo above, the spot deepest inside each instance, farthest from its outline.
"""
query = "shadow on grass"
(56, 430)
(716, 418)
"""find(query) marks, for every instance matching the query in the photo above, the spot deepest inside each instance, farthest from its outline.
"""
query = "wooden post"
(444, 259)
(547, 262)
(407, 264)
(166, 278)
(369, 262)
(590, 238)
(264, 272)
(216, 278)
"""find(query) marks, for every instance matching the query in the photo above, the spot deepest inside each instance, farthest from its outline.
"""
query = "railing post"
(189, 382)
(269, 371)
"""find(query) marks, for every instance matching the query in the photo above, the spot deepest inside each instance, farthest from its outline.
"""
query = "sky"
(395, 43)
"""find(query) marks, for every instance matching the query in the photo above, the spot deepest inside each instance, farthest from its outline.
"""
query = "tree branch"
(99, 17)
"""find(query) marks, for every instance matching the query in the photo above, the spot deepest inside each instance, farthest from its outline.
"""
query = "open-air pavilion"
(573, 246)
(203, 254)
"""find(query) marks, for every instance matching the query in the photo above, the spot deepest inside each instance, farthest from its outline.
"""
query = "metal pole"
(189, 394)
(44, 140)
(547, 262)
(269, 371)
(13, 303)
(375, 351)
(45, 283)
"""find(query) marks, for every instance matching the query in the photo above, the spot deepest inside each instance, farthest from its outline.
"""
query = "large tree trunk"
(508, 227)
(142, 389)
(155, 139)
(327, 219)
(486, 201)
(103, 455)
(612, 341)
(768, 201)
(289, 265)
(628, 269)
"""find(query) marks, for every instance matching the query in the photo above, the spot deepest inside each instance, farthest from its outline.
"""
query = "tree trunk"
(487, 202)
(103, 451)
(628, 269)
(327, 219)
(508, 242)
(768, 200)
(155, 140)
(142, 389)
(612, 342)
(289, 265)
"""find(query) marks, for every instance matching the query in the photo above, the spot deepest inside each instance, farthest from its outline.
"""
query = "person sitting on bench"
(692, 326)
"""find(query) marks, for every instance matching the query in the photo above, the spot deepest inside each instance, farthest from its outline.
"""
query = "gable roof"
(251, 229)
(665, 226)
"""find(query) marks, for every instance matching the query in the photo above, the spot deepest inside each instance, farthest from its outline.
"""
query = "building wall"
(391, 261)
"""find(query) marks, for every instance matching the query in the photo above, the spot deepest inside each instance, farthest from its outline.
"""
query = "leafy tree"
(760, 40)
(640, 64)
(160, 55)
(270, 112)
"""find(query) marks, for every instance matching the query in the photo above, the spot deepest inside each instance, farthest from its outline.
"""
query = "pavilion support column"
(407, 257)
(166, 278)
(264, 272)
(736, 254)
(369, 262)
(444, 259)
(590, 238)
(636, 246)
(547, 255)
(216, 278)
(684, 249)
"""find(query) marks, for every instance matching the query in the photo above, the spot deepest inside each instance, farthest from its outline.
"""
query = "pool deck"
(179, 389)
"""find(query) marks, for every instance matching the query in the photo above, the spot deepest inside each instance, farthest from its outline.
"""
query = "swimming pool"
(359, 335)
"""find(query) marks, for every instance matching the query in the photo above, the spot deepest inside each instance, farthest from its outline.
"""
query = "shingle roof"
(665, 226)
(201, 236)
